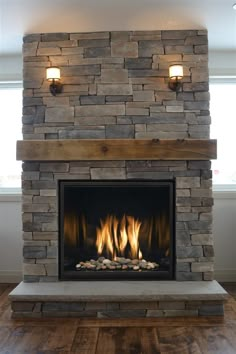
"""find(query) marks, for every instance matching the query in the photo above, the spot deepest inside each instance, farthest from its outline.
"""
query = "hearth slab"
(119, 291)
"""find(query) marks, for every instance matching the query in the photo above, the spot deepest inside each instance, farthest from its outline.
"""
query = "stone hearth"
(121, 299)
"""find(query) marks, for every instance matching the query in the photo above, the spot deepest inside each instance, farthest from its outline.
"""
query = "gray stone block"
(201, 49)
(86, 100)
(172, 128)
(124, 49)
(54, 166)
(49, 37)
(95, 121)
(30, 278)
(97, 52)
(45, 236)
(46, 176)
(199, 131)
(188, 276)
(138, 63)
(29, 38)
(145, 73)
(41, 217)
(30, 166)
(114, 76)
(120, 131)
(212, 310)
(91, 43)
(80, 70)
(200, 225)
(52, 252)
(199, 165)
(208, 251)
(207, 202)
(30, 49)
(196, 105)
(32, 101)
(173, 34)
(82, 134)
(120, 35)
(183, 267)
(34, 269)
(187, 182)
(196, 86)
(183, 238)
(202, 239)
(189, 251)
(59, 114)
(108, 173)
(201, 192)
(178, 49)
(90, 35)
(63, 306)
(34, 252)
(149, 175)
(114, 89)
(51, 269)
(119, 98)
(121, 314)
(202, 267)
(196, 40)
(149, 48)
(139, 305)
(100, 110)
(143, 96)
(171, 305)
(22, 306)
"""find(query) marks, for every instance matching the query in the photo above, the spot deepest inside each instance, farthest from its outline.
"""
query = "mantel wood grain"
(116, 149)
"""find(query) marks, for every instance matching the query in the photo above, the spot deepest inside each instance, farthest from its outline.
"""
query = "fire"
(126, 236)
(114, 236)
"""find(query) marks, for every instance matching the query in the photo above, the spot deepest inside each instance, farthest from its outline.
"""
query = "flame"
(114, 236)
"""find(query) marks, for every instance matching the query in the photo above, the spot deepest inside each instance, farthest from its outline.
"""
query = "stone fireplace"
(117, 123)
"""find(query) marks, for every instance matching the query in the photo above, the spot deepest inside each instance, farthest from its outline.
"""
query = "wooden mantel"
(116, 149)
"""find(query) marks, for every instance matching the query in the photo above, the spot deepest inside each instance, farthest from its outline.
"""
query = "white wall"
(224, 229)
(11, 67)
(222, 63)
(10, 239)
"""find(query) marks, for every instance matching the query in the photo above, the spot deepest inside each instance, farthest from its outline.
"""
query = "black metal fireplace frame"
(117, 275)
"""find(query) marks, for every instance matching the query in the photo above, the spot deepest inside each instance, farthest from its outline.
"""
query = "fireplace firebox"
(116, 230)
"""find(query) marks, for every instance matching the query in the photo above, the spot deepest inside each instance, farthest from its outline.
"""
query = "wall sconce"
(176, 74)
(53, 75)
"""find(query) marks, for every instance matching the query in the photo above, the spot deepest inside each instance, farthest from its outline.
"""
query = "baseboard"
(8, 276)
(227, 275)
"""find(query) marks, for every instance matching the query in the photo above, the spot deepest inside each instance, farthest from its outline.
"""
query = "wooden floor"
(119, 336)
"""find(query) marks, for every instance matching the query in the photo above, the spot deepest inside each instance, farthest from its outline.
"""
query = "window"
(223, 113)
(10, 113)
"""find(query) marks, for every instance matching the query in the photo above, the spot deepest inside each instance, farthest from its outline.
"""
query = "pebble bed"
(120, 263)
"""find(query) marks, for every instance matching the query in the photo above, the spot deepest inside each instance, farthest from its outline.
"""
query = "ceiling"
(20, 17)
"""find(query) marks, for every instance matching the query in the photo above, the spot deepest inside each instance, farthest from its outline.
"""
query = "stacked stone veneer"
(115, 85)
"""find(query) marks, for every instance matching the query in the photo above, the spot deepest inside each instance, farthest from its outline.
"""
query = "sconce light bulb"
(53, 75)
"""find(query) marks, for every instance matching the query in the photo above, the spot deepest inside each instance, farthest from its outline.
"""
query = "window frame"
(12, 192)
(222, 79)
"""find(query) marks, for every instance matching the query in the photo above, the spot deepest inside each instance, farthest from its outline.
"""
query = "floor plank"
(119, 340)
(85, 341)
(207, 335)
